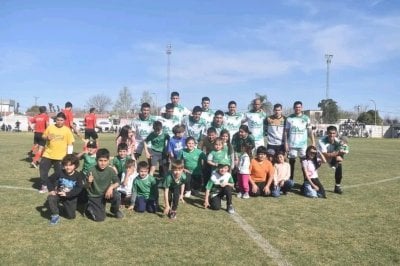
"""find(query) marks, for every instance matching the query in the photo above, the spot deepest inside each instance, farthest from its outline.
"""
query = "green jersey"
(143, 127)
(233, 122)
(102, 180)
(119, 163)
(255, 121)
(158, 141)
(218, 157)
(168, 124)
(171, 183)
(195, 129)
(297, 127)
(193, 160)
(208, 116)
(89, 162)
(145, 187)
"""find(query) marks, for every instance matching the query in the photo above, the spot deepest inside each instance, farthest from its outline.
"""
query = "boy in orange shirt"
(261, 173)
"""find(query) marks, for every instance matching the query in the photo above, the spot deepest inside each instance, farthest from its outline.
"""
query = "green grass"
(360, 227)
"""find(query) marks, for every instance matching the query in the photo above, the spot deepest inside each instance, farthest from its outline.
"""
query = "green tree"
(368, 118)
(330, 111)
(125, 102)
(33, 109)
(100, 101)
(266, 105)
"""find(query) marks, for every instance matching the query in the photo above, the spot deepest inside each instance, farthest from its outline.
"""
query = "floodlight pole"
(328, 58)
(375, 109)
(168, 51)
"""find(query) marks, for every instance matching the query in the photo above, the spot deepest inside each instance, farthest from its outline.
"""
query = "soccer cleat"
(246, 195)
(90, 214)
(55, 219)
(338, 190)
(172, 215)
(230, 209)
(119, 215)
(43, 189)
(34, 165)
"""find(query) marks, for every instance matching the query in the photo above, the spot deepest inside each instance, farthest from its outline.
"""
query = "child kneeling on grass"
(144, 190)
(101, 185)
(65, 188)
(174, 186)
(220, 185)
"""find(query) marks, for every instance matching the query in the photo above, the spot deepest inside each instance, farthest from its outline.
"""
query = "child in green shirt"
(101, 184)
(144, 190)
(174, 186)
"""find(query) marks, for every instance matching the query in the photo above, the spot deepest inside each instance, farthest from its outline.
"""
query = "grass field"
(360, 227)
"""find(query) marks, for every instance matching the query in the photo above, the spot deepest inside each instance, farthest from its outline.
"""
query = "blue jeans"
(142, 204)
(287, 185)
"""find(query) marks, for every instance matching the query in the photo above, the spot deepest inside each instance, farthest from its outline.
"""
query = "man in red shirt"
(69, 121)
(90, 125)
(41, 121)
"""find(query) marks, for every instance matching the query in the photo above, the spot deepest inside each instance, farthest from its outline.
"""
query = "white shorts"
(294, 152)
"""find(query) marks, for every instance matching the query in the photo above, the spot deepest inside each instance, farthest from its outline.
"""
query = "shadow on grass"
(196, 202)
(36, 182)
(44, 210)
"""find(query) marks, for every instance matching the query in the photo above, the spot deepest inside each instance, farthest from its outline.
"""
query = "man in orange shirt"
(41, 121)
(90, 125)
(261, 173)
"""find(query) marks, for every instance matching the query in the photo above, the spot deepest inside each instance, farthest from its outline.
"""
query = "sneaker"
(35, 165)
(246, 195)
(43, 189)
(230, 209)
(338, 190)
(90, 214)
(333, 168)
(188, 194)
(172, 215)
(119, 215)
(239, 194)
(55, 219)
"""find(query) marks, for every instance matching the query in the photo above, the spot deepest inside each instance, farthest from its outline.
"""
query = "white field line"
(373, 183)
(271, 252)
(19, 188)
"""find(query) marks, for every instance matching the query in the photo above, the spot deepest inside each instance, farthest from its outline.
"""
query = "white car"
(104, 126)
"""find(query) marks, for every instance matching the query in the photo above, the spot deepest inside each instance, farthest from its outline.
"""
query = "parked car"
(104, 126)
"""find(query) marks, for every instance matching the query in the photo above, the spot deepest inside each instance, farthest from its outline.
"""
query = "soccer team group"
(219, 153)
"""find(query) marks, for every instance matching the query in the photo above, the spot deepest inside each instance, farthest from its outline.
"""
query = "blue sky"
(228, 50)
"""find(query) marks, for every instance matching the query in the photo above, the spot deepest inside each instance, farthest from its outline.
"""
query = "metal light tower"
(168, 51)
(328, 58)
(36, 98)
(375, 109)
